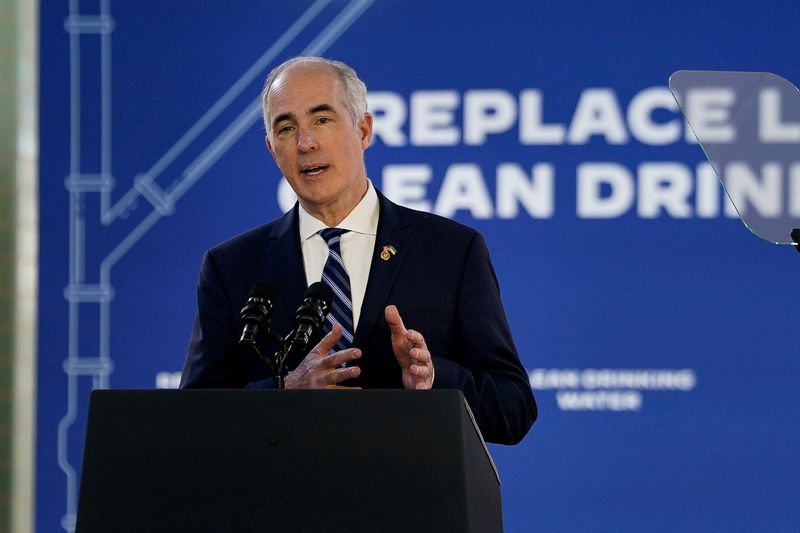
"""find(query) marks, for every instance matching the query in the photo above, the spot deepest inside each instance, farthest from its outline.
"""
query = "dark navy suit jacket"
(441, 280)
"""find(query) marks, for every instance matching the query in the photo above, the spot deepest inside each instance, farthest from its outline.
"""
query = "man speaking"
(415, 302)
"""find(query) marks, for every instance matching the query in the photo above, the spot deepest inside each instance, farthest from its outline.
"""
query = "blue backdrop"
(657, 330)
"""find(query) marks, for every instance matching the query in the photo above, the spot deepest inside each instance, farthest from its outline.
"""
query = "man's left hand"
(411, 352)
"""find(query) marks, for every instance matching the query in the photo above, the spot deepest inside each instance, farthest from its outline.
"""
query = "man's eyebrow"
(282, 117)
(320, 108)
(316, 109)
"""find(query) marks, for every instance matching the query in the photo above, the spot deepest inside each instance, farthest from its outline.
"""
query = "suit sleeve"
(213, 357)
(486, 366)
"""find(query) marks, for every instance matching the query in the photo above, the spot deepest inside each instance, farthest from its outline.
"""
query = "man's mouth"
(313, 170)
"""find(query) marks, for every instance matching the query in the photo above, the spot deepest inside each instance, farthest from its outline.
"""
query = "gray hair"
(355, 91)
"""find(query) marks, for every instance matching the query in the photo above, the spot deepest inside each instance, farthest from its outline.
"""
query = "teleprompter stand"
(278, 460)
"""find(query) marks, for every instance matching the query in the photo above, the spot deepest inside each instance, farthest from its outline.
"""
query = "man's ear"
(269, 146)
(365, 128)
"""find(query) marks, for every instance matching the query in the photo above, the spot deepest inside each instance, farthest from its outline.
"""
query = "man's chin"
(314, 200)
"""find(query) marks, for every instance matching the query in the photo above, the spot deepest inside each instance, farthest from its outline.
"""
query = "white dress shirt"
(357, 246)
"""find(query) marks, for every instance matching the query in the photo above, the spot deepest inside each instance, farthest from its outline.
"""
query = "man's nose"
(306, 141)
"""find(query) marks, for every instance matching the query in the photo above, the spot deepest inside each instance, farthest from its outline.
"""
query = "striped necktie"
(335, 276)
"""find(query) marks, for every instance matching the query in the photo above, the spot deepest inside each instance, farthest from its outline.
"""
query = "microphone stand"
(796, 237)
(275, 364)
(278, 369)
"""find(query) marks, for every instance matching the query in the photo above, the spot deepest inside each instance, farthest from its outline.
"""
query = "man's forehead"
(305, 89)
(304, 77)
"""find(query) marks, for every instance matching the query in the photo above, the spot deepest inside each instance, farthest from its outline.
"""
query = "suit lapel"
(284, 260)
(393, 230)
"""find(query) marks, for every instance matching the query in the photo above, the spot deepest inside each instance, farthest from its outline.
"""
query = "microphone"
(310, 316)
(256, 312)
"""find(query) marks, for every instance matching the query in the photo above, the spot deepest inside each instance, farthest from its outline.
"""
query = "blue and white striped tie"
(335, 276)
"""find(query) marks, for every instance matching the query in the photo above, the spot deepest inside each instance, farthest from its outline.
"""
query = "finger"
(328, 341)
(422, 372)
(342, 356)
(393, 319)
(415, 338)
(342, 374)
(421, 356)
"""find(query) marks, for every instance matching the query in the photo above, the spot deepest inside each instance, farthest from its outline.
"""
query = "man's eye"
(284, 129)
(323, 120)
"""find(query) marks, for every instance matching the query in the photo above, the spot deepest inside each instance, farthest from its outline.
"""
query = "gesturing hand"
(411, 352)
(319, 370)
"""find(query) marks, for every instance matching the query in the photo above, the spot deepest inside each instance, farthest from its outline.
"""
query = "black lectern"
(294, 461)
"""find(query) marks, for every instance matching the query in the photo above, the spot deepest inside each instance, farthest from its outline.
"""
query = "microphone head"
(310, 316)
(320, 291)
(256, 311)
(262, 289)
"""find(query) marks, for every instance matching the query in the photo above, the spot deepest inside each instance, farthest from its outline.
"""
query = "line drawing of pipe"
(162, 200)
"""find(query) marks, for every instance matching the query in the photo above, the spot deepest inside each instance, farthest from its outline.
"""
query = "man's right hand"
(319, 370)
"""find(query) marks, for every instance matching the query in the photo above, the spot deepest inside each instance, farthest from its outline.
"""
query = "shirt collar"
(362, 219)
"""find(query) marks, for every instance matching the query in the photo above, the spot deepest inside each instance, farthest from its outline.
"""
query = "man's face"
(313, 141)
